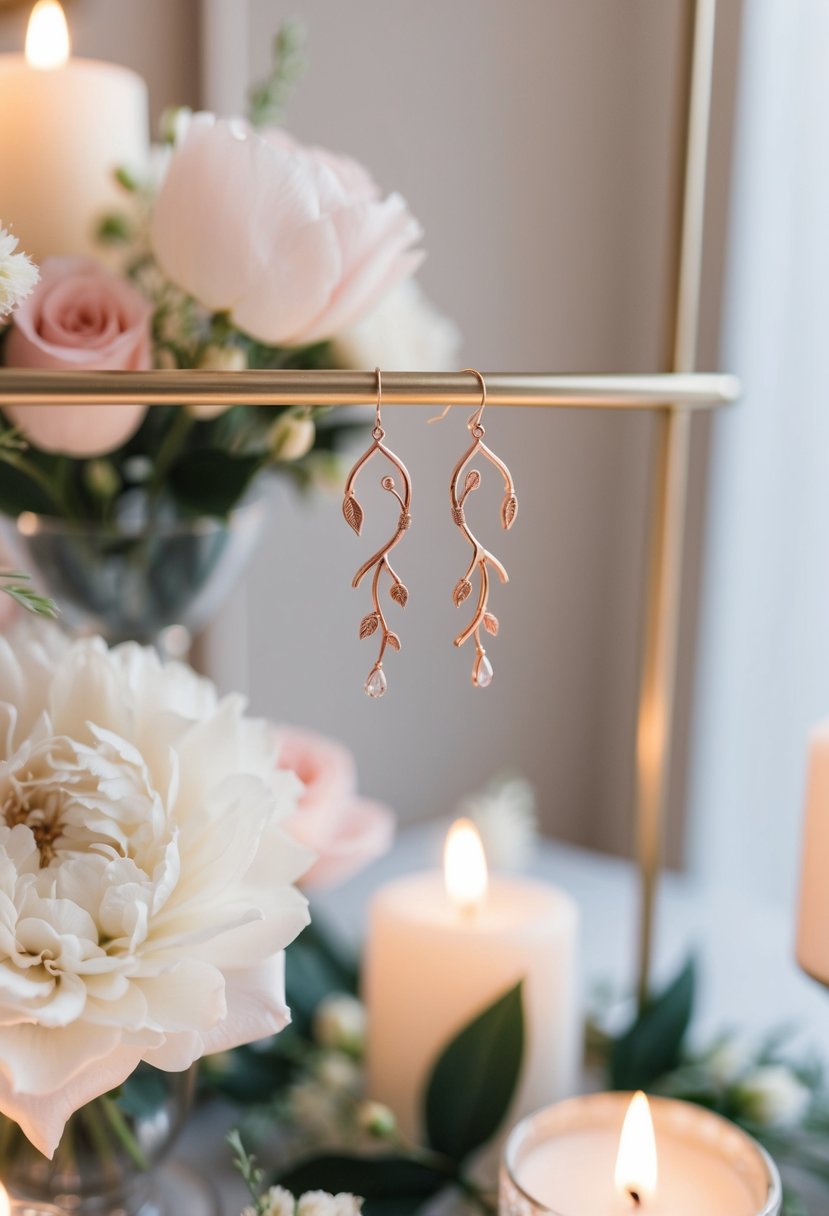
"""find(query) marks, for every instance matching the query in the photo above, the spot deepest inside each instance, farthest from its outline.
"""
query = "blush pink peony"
(346, 832)
(80, 317)
(294, 243)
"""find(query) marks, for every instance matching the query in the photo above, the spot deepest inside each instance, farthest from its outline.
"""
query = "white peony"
(145, 882)
(405, 332)
(18, 275)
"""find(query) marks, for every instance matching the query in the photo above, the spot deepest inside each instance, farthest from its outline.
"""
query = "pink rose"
(345, 832)
(80, 317)
(294, 243)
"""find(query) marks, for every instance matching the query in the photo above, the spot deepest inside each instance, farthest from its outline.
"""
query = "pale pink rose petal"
(345, 832)
(365, 832)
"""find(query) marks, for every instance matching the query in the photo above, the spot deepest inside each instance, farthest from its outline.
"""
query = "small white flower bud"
(376, 1119)
(336, 1070)
(773, 1096)
(292, 438)
(216, 358)
(340, 1023)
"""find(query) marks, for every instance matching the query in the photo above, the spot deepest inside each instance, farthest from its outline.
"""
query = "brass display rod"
(680, 393)
(668, 513)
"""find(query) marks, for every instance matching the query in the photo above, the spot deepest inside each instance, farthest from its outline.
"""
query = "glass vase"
(110, 1160)
(155, 582)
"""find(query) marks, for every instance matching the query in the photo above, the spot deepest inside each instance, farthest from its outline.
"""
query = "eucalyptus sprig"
(269, 100)
(17, 586)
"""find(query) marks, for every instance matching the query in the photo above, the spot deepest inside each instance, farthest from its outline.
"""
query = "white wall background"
(533, 140)
(764, 657)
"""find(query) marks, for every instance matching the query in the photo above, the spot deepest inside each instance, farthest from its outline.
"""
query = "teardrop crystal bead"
(376, 684)
(482, 675)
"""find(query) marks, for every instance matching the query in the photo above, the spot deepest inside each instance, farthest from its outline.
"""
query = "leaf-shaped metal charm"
(462, 592)
(509, 510)
(491, 623)
(399, 594)
(393, 640)
(368, 625)
(473, 480)
(353, 513)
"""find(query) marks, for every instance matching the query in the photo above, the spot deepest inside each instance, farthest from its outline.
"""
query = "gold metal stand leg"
(664, 594)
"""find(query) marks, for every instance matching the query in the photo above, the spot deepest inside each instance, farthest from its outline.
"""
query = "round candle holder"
(561, 1162)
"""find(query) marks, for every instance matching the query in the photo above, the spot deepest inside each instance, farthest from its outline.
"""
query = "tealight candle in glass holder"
(625, 1155)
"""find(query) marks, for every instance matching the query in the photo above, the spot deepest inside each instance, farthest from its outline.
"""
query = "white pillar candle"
(573, 1160)
(813, 919)
(65, 127)
(435, 959)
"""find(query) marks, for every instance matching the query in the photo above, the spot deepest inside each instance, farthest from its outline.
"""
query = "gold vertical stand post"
(668, 513)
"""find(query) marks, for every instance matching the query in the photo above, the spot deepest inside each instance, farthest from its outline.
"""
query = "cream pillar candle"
(65, 126)
(603, 1155)
(436, 957)
(813, 920)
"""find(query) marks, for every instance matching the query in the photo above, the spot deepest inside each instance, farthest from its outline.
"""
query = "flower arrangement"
(247, 249)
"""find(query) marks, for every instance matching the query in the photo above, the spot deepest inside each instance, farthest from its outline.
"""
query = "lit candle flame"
(464, 867)
(636, 1166)
(5, 1206)
(47, 46)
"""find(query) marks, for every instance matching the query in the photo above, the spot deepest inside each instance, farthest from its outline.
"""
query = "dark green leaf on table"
(474, 1079)
(652, 1046)
(390, 1185)
(210, 482)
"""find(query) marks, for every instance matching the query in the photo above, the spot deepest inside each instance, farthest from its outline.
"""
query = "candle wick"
(635, 1198)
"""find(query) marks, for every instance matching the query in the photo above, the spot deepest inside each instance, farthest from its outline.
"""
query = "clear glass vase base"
(173, 1190)
(180, 1191)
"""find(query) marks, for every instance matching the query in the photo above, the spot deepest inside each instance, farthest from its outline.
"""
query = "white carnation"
(145, 883)
(18, 275)
(405, 332)
(278, 1202)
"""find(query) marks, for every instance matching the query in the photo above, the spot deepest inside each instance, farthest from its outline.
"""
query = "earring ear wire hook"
(475, 420)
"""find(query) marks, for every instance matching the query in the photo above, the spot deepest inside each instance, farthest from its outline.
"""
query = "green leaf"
(142, 1094)
(474, 1079)
(390, 1185)
(210, 482)
(20, 492)
(652, 1046)
(314, 967)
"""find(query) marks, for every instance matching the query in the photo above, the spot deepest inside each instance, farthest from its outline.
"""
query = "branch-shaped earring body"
(482, 559)
(376, 683)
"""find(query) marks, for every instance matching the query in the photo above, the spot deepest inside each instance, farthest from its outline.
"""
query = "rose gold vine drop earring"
(376, 682)
(481, 557)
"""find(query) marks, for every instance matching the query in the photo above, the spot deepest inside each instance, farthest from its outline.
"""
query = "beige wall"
(534, 141)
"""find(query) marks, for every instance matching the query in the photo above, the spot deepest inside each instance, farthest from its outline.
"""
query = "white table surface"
(748, 975)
